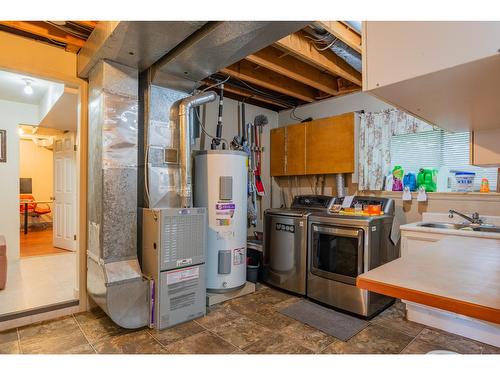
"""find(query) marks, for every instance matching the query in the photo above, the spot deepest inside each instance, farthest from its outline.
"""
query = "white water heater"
(220, 184)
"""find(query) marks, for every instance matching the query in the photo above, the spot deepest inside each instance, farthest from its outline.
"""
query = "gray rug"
(336, 324)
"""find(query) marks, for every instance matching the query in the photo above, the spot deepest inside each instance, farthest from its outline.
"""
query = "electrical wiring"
(202, 126)
(216, 84)
(294, 116)
(327, 47)
(68, 30)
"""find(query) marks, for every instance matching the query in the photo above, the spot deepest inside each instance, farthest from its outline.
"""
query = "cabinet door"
(330, 145)
(416, 242)
(277, 152)
(485, 148)
(296, 150)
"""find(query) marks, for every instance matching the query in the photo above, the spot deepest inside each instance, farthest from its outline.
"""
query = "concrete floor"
(249, 324)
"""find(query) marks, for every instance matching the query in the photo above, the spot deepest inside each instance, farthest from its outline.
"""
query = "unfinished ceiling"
(320, 61)
(70, 35)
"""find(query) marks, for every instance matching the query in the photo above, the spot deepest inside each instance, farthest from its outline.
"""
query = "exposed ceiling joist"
(88, 24)
(263, 77)
(250, 95)
(275, 60)
(47, 31)
(301, 47)
(344, 33)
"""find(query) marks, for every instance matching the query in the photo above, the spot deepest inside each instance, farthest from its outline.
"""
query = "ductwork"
(137, 44)
(215, 46)
(338, 47)
(114, 278)
(180, 115)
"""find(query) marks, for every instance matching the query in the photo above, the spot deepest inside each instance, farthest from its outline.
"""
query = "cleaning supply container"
(465, 181)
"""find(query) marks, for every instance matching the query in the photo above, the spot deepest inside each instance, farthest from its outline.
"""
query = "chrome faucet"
(474, 219)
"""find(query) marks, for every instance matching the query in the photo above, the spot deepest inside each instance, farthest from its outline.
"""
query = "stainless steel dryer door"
(285, 251)
(337, 253)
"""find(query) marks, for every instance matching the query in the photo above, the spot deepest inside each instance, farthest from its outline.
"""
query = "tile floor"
(38, 281)
(249, 324)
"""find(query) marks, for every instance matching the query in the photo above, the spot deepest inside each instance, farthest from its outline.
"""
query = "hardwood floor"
(38, 242)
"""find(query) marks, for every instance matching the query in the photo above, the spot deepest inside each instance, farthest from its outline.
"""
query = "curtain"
(374, 150)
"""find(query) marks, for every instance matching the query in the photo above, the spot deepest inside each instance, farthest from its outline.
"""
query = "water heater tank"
(220, 184)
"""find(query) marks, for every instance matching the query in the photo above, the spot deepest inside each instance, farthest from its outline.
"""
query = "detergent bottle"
(397, 178)
(410, 181)
(427, 178)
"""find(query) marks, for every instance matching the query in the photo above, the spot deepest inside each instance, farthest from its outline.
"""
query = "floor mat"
(336, 324)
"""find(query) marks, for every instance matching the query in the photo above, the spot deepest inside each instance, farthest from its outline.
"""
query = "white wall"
(284, 188)
(231, 121)
(12, 115)
(335, 106)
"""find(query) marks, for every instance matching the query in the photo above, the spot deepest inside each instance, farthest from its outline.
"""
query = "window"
(437, 149)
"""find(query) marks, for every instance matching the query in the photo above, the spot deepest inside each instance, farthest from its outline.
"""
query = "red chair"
(28, 204)
(33, 208)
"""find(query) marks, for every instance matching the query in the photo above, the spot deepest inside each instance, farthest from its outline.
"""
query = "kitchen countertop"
(456, 274)
(434, 217)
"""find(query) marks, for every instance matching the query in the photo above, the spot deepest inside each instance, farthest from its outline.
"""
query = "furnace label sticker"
(185, 274)
(224, 212)
(238, 256)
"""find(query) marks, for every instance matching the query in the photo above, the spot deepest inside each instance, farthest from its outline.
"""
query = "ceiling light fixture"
(28, 89)
(20, 131)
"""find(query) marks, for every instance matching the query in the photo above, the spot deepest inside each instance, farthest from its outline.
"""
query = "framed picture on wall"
(3, 146)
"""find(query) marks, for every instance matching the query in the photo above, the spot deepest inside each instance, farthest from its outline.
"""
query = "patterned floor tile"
(217, 315)
(97, 326)
(307, 337)
(241, 332)
(201, 343)
(277, 344)
(9, 343)
(449, 341)
(270, 318)
(179, 332)
(139, 342)
(374, 339)
(490, 349)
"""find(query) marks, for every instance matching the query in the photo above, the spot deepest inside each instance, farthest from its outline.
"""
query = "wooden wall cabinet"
(323, 146)
(485, 148)
(330, 145)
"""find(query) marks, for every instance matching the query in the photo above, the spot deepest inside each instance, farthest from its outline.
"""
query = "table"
(461, 275)
(26, 202)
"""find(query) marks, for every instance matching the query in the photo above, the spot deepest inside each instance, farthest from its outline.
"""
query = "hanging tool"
(259, 123)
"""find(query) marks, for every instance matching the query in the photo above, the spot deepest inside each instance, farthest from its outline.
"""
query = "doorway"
(42, 272)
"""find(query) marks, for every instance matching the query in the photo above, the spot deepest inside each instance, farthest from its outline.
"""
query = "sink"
(482, 228)
(487, 229)
(443, 225)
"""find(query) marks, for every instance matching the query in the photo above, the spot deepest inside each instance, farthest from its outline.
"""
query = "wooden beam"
(287, 65)
(88, 24)
(262, 77)
(344, 33)
(251, 95)
(45, 30)
(301, 47)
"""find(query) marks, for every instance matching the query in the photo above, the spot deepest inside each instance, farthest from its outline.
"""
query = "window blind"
(436, 149)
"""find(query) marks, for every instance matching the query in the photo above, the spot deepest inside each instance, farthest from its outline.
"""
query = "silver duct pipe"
(114, 277)
(338, 47)
(180, 113)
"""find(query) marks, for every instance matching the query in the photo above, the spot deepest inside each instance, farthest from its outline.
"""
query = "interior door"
(64, 215)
